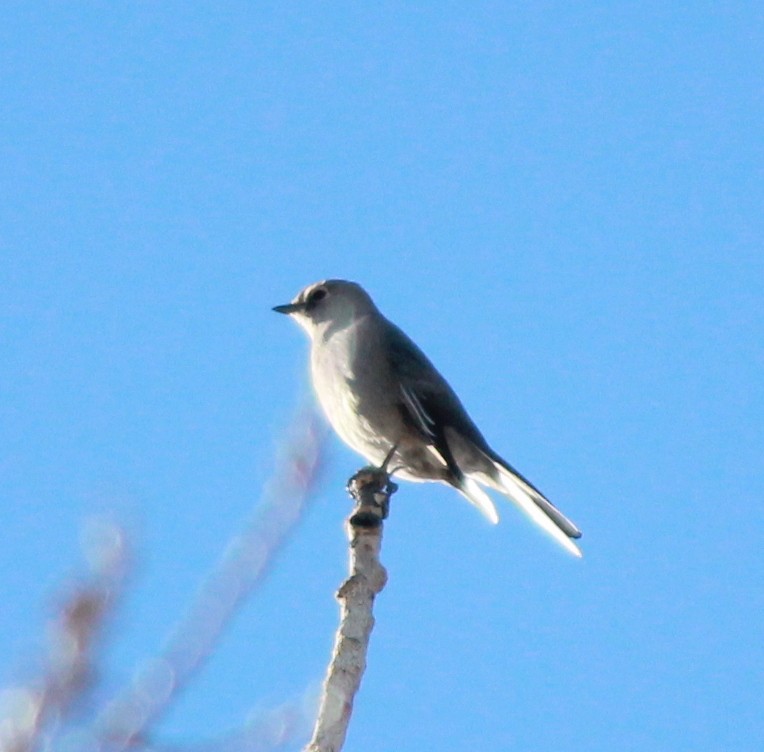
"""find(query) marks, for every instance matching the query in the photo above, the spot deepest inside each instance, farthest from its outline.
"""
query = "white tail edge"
(526, 503)
(477, 496)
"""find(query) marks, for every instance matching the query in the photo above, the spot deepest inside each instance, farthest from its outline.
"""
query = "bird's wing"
(428, 402)
(430, 406)
(424, 421)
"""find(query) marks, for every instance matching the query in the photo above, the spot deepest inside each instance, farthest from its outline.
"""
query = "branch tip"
(371, 489)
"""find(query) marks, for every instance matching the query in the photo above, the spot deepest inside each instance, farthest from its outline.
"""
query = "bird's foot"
(371, 489)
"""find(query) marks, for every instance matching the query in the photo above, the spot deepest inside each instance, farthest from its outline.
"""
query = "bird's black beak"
(289, 308)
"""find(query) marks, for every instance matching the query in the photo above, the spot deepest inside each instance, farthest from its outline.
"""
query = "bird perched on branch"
(390, 404)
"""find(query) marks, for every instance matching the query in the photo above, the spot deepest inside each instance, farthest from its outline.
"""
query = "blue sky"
(562, 203)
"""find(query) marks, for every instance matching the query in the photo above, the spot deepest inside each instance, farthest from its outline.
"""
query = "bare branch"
(371, 488)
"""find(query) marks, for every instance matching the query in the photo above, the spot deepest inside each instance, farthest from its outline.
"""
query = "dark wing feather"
(431, 404)
(428, 403)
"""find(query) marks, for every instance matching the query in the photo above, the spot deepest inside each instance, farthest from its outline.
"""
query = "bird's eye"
(316, 295)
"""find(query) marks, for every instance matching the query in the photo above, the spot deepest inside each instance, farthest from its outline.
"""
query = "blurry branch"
(39, 714)
(28, 713)
(371, 489)
(127, 720)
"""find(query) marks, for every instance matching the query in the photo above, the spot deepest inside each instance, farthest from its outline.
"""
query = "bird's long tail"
(530, 500)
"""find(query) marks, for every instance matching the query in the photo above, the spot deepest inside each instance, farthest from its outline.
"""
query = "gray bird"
(387, 401)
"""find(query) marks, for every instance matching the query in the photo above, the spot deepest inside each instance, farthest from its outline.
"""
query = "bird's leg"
(388, 457)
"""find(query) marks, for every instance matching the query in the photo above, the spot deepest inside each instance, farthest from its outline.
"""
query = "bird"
(388, 402)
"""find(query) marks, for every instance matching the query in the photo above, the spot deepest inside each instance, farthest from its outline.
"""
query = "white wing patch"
(425, 422)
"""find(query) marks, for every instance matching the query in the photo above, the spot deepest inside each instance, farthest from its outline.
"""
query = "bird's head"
(334, 303)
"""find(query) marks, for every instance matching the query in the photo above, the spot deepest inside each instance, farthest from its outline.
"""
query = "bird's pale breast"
(334, 365)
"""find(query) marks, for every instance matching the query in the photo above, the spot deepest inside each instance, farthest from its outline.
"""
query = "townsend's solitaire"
(386, 400)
